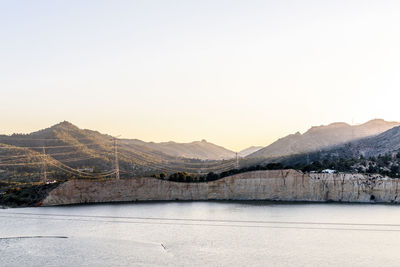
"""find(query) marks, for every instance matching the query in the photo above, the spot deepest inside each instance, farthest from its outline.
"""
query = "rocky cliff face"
(278, 185)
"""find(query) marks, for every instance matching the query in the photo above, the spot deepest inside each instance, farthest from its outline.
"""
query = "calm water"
(201, 233)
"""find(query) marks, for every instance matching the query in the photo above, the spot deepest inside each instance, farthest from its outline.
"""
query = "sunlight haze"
(236, 73)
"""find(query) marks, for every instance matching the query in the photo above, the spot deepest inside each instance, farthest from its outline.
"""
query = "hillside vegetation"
(378, 154)
(322, 137)
(67, 149)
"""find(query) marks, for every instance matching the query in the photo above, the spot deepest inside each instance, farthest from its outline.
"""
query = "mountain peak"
(64, 125)
(338, 124)
(334, 125)
(376, 121)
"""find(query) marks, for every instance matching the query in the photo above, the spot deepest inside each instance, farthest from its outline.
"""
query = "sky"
(236, 73)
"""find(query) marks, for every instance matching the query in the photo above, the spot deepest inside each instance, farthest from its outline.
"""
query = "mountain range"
(66, 146)
(65, 143)
(386, 143)
(195, 150)
(322, 137)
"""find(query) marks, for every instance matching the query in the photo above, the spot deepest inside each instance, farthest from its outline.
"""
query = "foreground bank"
(24, 195)
(275, 185)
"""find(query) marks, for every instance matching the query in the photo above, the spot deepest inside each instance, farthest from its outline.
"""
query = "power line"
(45, 159)
(22, 164)
(15, 156)
(78, 159)
(218, 167)
(47, 147)
(68, 167)
(171, 165)
(81, 174)
(19, 160)
(54, 162)
(218, 225)
(47, 139)
(141, 157)
(68, 171)
(145, 162)
(202, 164)
(152, 162)
(39, 162)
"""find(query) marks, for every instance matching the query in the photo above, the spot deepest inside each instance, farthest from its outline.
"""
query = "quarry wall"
(276, 185)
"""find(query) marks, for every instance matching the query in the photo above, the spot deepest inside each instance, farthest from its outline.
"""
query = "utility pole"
(44, 167)
(116, 159)
(237, 161)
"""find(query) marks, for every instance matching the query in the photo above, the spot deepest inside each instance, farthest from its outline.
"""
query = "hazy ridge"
(383, 144)
(322, 137)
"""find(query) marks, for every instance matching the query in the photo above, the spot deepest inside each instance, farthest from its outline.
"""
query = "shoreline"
(265, 202)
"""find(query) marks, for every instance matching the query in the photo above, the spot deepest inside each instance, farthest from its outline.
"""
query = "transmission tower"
(44, 167)
(116, 163)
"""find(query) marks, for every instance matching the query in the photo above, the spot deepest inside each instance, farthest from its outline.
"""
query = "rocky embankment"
(276, 185)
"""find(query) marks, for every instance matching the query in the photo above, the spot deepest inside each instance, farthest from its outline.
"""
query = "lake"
(201, 234)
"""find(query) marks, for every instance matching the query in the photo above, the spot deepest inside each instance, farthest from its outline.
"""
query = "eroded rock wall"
(280, 185)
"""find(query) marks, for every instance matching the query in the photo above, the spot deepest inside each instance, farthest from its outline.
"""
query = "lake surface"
(201, 234)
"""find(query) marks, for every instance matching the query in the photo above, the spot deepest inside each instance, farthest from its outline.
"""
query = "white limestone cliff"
(276, 185)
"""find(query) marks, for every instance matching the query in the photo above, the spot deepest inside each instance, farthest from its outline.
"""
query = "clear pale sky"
(236, 73)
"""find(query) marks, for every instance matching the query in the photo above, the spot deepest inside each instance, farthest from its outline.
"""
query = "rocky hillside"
(322, 137)
(64, 143)
(377, 154)
(382, 144)
(195, 150)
